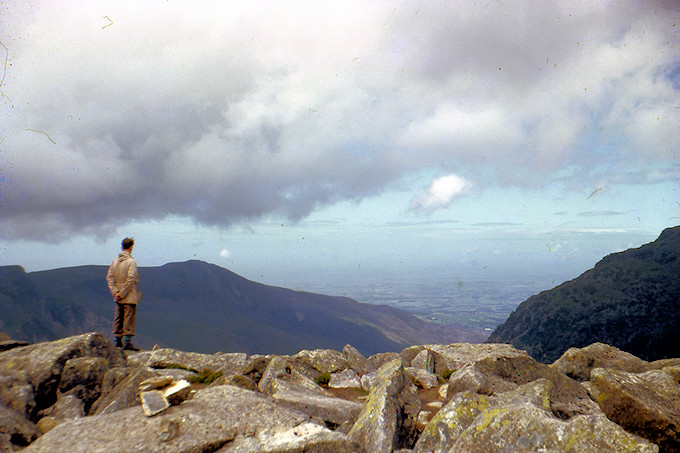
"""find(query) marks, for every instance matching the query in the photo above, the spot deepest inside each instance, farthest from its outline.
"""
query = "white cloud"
(234, 112)
(224, 253)
(440, 194)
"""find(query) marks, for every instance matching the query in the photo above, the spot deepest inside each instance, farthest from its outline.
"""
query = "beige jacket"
(122, 278)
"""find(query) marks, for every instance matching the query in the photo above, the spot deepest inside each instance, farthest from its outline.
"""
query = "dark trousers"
(124, 317)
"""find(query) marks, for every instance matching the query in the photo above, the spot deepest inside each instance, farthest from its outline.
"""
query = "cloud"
(231, 113)
(224, 253)
(440, 194)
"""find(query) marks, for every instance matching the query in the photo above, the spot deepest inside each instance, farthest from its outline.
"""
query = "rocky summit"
(81, 394)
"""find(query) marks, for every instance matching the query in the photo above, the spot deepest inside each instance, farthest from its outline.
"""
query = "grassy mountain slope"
(202, 307)
(630, 300)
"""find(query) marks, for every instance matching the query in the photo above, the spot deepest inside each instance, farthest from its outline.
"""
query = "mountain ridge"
(203, 307)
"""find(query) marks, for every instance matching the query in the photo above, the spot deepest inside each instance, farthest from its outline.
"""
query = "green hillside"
(630, 300)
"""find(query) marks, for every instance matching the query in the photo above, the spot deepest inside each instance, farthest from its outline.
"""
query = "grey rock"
(319, 405)
(153, 402)
(43, 363)
(323, 360)
(227, 363)
(120, 389)
(16, 392)
(455, 356)
(306, 437)
(472, 423)
(347, 378)
(156, 383)
(421, 378)
(6, 345)
(290, 369)
(424, 360)
(82, 377)
(381, 358)
(138, 359)
(578, 363)
(389, 416)
(69, 405)
(647, 404)
(497, 373)
(15, 430)
(367, 380)
(356, 361)
(217, 417)
(177, 392)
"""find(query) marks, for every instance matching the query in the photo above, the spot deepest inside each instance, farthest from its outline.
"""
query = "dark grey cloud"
(228, 114)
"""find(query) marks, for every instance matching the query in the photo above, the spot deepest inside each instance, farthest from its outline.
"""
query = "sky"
(344, 141)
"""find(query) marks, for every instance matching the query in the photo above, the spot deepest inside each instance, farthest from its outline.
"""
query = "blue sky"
(297, 142)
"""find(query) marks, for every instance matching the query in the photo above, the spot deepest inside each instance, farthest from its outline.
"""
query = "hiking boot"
(130, 347)
(119, 342)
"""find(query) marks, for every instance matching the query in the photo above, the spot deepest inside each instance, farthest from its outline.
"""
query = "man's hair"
(127, 243)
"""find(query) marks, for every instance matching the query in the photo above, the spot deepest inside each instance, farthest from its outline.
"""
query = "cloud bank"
(230, 112)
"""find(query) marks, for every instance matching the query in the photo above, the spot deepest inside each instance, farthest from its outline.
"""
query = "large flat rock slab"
(220, 417)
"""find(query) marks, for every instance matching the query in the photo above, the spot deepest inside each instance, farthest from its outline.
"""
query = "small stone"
(46, 424)
(177, 392)
(154, 383)
(153, 402)
(346, 378)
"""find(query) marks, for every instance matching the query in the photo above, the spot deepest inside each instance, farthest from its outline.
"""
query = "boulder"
(578, 363)
(367, 380)
(347, 378)
(15, 431)
(292, 389)
(43, 363)
(389, 416)
(156, 383)
(472, 422)
(219, 418)
(306, 437)
(120, 389)
(226, 363)
(381, 358)
(317, 404)
(69, 405)
(672, 371)
(356, 361)
(452, 357)
(16, 392)
(82, 377)
(323, 360)
(288, 368)
(421, 378)
(496, 373)
(424, 361)
(6, 345)
(646, 404)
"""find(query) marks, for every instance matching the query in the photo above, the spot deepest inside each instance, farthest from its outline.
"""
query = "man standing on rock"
(122, 278)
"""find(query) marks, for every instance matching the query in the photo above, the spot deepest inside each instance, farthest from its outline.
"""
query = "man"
(122, 279)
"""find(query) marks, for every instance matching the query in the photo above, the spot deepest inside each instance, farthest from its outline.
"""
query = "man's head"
(127, 243)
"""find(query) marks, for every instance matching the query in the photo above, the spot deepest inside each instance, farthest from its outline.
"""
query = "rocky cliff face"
(630, 300)
(81, 394)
